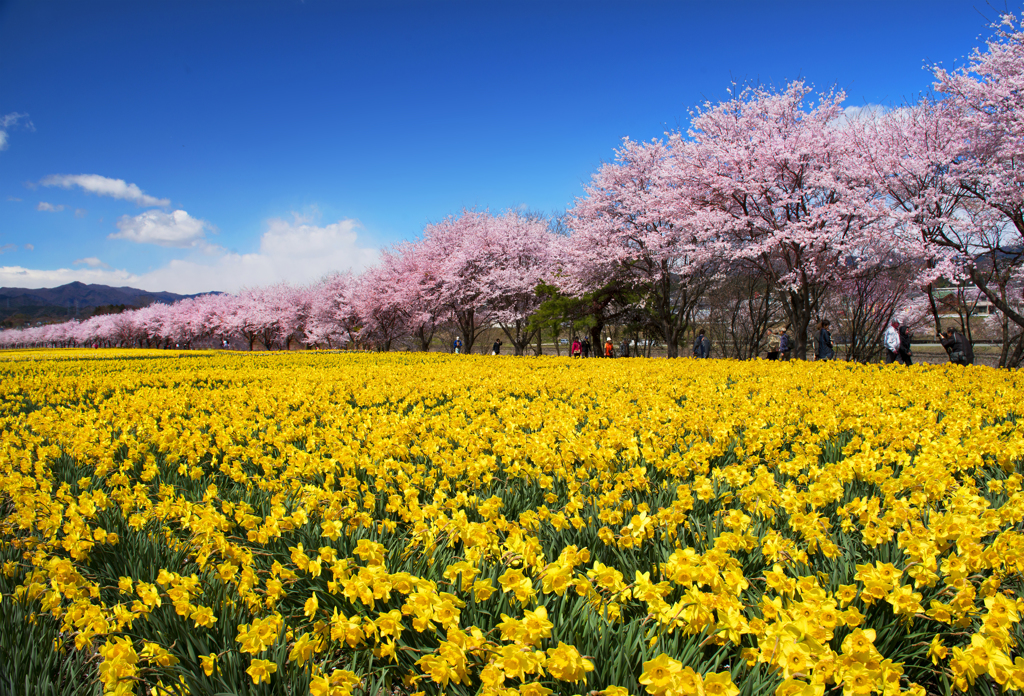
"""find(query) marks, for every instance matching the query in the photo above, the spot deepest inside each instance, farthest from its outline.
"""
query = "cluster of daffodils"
(340, 524)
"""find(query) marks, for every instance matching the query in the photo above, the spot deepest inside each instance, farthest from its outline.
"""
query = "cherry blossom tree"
(783, 188)
(986, 97)
(269, 314)
(520, 250)
(448, 248)
(152, 321)
(282, 311)
(382, 313)
(631, 231)
(868, 299)
(951, 171)
(415, 287)
(485, 271)
(740, 313)
(332, 320)
(911, 152)
(184, 322)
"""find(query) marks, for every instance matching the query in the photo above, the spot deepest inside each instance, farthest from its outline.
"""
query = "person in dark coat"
(624, 349)
(497, 346)
(960, 350)
(904, 351)
(785, 345)
(825, 349)
(585, 347)
(701, 346)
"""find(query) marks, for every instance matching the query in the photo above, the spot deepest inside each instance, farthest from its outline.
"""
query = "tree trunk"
(424, 337)
(934, 307)
(798, 306)
(671, 342)
(519, 336)
(1018, 352)
(466, 322)
(596, 344)
(1004, 353)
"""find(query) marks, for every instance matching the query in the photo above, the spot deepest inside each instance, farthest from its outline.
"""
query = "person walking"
(575, 348)
(624, 349)
(701, 346)
(585, 347)
(773, 347)
(960, 350)
(609, 349)
(891, 340)
(497, 346)
(904, 352)
(785, 344)
(457, 345)
(825, 350)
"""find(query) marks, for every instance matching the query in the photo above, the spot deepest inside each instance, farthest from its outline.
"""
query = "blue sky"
(195, 146)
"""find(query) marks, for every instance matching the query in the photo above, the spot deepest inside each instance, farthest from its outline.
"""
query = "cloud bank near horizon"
(296, 251)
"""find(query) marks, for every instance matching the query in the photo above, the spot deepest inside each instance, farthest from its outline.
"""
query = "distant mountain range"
(21, 305)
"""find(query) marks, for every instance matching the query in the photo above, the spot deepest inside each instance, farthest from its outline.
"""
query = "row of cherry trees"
(468, 274)
(773, 207)
(817, 212)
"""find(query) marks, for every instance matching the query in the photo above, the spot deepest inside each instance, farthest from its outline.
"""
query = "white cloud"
(867, 112)
(8, 247)
(860, 114)
(9, 121)
(295, 251)
(13, 199)
(49, 208)
(29, 247)
(81, 212)
(105, 186)
(91, 262)
(177, 229)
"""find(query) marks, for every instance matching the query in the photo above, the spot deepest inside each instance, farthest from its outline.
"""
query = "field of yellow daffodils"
(398, 523)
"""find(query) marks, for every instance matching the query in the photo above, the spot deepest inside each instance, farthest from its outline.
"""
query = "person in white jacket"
(891, 340)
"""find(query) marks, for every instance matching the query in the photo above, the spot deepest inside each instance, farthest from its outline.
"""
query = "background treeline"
(774, 208)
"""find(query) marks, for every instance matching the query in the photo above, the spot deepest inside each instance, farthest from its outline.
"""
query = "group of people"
(581, 348)
(780, 347)
(897, 345)
(896, 340)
